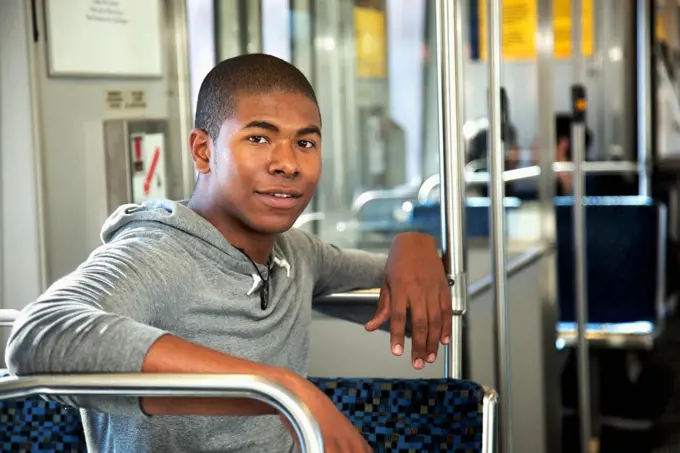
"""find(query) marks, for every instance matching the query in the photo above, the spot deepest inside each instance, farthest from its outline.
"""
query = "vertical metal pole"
(546, 189)
(451, 162)
(578, 142)
(644, 73)
(497, 219)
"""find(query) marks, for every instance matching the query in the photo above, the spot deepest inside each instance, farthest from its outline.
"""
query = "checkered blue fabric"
(408, 416)
(397, 416)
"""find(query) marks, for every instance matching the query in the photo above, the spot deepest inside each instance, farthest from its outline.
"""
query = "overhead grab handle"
(175, 385)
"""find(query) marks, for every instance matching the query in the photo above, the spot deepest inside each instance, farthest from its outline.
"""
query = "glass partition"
(372, 63)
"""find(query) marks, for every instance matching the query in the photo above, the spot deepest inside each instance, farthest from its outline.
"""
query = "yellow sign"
(371, 43)
(562, 27)
(520, 24)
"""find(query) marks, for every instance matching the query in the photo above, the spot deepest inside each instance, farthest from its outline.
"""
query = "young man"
(612, 184)
(563, 125)
(221, 284)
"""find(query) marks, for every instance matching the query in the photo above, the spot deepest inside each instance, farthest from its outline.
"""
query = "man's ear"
(201, 145)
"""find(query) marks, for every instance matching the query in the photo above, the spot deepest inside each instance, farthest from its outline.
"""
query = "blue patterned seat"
(393, 415)
(35, 425)
(400, 415)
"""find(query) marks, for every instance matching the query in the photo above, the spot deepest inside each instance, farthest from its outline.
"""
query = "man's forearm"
(173, 355)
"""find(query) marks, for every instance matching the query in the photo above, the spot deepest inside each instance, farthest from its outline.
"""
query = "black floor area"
(636, 396)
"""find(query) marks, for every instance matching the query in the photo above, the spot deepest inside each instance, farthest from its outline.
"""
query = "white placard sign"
(104, 37)
(148, 167)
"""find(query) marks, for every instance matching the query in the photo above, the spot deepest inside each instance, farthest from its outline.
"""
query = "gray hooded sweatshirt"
(164, 269)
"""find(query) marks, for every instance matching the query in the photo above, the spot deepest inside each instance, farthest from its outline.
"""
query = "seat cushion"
(411, 415)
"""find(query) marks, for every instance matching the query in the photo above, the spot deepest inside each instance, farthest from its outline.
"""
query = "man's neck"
(257, 246)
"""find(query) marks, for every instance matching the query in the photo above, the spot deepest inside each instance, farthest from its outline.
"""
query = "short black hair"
(563, 123)
(478, 145)
(245, 74)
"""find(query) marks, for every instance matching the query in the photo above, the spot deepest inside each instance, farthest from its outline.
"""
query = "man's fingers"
(382, 314)
(397, 322)
(434, 325)
(420, 329)
(380, 318)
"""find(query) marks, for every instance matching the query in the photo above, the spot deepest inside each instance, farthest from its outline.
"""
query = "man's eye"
(306, 144)
(257, 139)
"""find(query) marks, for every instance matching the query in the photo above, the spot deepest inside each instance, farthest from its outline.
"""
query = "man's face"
(266, 162)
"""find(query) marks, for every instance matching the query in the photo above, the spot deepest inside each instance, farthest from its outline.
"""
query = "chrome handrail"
(528, 172)
(176, 385)
(7, 317)
(308, 217)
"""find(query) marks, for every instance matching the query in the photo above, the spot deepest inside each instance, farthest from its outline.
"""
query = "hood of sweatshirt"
(176, 219)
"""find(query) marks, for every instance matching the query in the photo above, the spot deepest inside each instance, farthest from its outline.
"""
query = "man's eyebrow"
(261, 125)
(309, 130)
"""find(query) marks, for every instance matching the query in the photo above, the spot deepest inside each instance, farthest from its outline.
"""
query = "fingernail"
(418, 364)
(431, 358)
(397, 349)
(446, 340)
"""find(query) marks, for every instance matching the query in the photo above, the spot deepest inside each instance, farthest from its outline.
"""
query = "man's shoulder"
(297, 244)
(153, 248)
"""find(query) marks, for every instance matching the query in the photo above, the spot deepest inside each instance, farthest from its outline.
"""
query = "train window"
(373, 66)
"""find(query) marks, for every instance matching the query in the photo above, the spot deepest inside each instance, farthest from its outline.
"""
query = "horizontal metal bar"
(508, 175)
(532, 171)
(175, 385)
(635, 335)
(366, 296)
(371, 296)
(597, 167)
(7, 317)
(309, 217)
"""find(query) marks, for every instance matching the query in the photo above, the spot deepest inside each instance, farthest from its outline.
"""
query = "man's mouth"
(279, 199)
(281, 195)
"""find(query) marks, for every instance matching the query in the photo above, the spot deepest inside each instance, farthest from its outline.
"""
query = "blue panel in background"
(473, 21)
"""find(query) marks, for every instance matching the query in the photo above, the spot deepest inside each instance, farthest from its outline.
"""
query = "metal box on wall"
(138, 162)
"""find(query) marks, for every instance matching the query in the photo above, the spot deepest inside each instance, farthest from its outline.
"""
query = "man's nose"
(283, 161)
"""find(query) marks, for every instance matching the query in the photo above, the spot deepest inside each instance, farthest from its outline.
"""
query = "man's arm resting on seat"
(170, 354)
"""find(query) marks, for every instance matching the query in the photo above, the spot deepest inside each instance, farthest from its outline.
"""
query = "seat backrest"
(625, 258)
(396, 415)
(426, 217)
(37, 425)
(406, 415)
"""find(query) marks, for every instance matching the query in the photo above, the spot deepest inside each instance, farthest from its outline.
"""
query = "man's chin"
(274, 225)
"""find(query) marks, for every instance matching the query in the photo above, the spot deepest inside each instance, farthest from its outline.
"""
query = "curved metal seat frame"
(202, 385)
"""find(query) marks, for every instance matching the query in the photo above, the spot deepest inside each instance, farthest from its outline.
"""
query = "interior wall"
(72, 112)
(20, 266)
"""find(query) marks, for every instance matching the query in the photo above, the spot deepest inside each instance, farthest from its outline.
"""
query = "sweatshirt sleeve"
(95, 320)
(341, 270)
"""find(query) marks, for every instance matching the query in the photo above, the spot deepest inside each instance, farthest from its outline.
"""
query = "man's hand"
(415, 281)
(339, 435)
